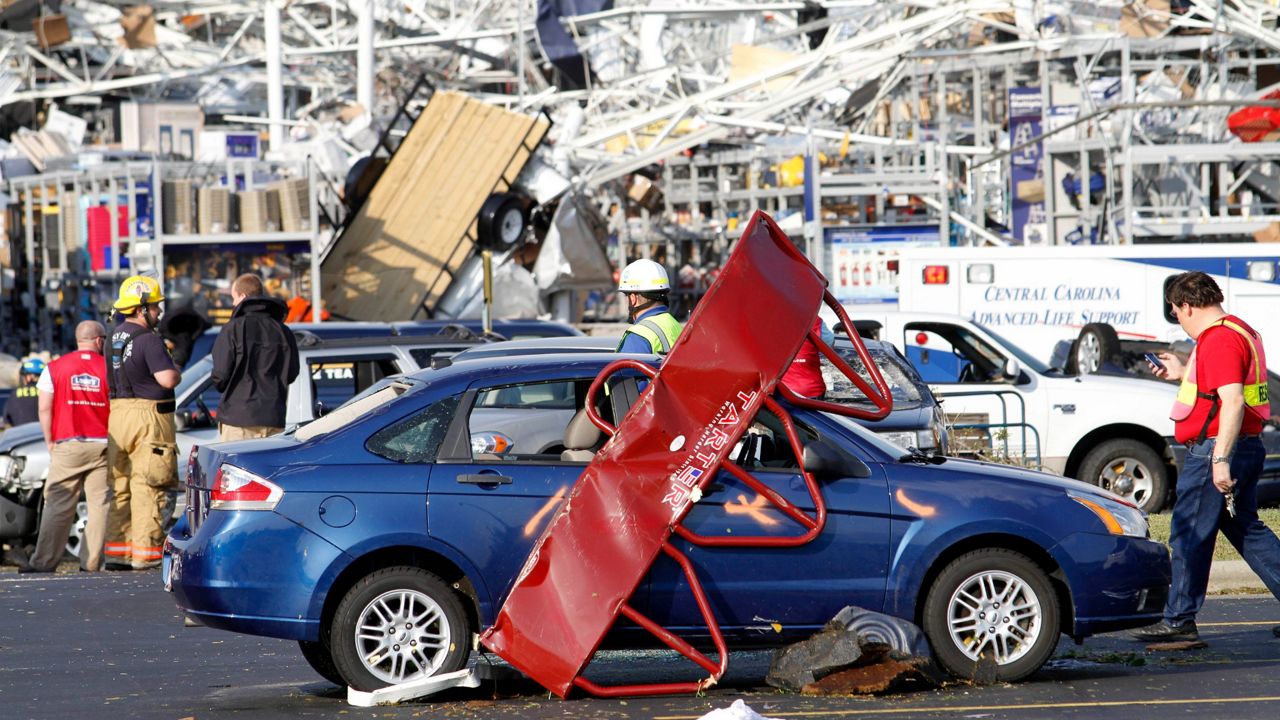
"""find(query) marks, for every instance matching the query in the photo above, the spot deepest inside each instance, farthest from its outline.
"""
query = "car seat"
(581, 438)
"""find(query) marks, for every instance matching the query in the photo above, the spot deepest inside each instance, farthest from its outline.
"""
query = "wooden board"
(417, 225)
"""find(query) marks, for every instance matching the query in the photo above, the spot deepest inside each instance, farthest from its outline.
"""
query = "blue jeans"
(1198, 514)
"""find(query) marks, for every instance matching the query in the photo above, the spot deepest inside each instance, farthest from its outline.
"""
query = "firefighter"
(141, 432)
(654, 329)
(24, 405)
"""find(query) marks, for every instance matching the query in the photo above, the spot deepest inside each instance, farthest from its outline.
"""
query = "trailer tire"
(1096, 344)
(502, 220)
(1130, 469)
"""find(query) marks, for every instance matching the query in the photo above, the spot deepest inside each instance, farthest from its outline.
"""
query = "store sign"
(242, 145)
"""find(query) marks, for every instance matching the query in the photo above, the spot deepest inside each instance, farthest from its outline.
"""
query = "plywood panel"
(414, 228)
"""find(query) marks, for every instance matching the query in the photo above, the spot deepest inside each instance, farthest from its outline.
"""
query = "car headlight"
(1119, 517)
(918, 439)
(8, 472)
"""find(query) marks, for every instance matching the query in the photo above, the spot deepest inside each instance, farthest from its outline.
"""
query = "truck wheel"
(994, 603)
(317, 655)
(1130, 469)
(398, 624)
(1096, 344)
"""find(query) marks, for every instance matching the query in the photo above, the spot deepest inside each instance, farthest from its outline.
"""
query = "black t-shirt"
(23, 406)
(143, 358)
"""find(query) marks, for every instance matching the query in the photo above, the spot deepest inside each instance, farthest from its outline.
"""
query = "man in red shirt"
(1218, 415)
(73, 414)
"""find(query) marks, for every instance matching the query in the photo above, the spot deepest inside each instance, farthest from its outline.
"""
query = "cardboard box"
(179, 211)
(645, 193)
(259, 211)
(214, 206)
(294, 198)
(1270, 233)
(51, 30)
(1030, 190)
(1145, 18)
(139, 23)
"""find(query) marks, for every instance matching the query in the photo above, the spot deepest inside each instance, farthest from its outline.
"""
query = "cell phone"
(1154, 360)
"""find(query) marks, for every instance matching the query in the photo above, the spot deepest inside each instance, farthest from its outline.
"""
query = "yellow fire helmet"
(138, 290)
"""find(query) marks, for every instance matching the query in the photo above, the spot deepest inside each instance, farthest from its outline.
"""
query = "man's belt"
(164, 407)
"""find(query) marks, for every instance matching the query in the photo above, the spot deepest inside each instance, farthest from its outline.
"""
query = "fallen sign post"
(636, 491)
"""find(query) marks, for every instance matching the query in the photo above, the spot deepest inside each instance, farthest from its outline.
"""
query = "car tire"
(965, 595)
(75, 538)
(317, 655)
(431, 614)
(1130, 469)
(1096, 344)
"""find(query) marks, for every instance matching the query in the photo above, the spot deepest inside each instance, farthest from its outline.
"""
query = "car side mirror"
(822, 459)
(319, 409)
(1012, 368)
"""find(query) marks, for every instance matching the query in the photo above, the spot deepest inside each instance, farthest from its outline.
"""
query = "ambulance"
(1103, 295)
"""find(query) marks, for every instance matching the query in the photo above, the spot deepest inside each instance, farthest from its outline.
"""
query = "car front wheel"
(995, 604)
(1130, 469)
(398, 624)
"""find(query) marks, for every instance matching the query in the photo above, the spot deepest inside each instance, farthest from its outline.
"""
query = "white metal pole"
(275, 74)
(364, 56)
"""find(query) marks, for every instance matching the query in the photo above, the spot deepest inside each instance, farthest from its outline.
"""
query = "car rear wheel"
(320, 659)
(396, 625)
(1130, 469)
(995, 604)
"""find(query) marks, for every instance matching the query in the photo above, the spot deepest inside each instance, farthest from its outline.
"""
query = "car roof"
(527, 328)
(540, 346)
(518, 367)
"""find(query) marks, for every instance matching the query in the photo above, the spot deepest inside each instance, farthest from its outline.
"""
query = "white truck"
(1111, 431)
(1038, 296)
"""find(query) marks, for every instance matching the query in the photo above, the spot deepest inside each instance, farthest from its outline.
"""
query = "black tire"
(1035, 632)
(502, 220)
(446, 621)
(1096, 344)
(1129, 468)
(320, 659)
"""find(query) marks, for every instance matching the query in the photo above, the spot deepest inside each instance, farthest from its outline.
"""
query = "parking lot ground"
(113, 646)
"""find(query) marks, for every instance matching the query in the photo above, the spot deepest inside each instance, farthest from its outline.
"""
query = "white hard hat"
(643, 276)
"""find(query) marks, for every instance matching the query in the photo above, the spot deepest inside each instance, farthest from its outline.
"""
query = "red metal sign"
(634, 494)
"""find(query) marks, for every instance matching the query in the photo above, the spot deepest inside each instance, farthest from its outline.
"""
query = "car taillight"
(936, 275)
(237, 489)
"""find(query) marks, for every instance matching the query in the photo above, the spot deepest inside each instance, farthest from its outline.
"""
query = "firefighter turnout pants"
(144, 470)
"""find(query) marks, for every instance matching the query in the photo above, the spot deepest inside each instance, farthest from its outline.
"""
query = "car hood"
(1125, 386)
(20, 435)
(995, 472)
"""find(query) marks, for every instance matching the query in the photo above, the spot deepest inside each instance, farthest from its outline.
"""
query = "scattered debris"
(860, 651)
(739, 710)
(1178, 646)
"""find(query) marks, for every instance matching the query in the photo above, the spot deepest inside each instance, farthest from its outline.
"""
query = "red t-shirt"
(1222, 358)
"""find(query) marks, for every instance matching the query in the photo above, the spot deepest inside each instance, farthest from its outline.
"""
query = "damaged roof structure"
(1024, 121)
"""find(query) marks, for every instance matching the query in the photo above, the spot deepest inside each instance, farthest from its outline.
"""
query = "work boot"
(1164, 632)
(117, 566)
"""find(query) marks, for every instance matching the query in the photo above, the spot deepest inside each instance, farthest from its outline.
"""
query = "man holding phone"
(1221, 405)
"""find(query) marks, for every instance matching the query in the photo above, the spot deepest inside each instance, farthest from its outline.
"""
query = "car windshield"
(193, 375)
(868, 436)
(904, 391)
(1026, 360)
(375, 396)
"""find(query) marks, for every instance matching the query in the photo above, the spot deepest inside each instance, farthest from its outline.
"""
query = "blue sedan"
(384, 535)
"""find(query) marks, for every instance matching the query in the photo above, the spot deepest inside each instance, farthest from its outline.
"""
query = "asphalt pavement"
(76, 645)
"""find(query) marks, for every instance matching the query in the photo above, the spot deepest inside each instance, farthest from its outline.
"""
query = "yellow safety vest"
(1255, 380)
(661, 330)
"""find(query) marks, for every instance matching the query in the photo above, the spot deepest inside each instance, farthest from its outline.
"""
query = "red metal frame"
(637, 490)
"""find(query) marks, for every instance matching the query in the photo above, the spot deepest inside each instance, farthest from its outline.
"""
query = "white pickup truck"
(1113, 432)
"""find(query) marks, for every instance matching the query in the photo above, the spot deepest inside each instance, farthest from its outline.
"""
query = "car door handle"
(485, 479)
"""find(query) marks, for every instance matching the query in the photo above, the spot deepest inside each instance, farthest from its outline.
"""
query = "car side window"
(417, 438)
(524, 421)
(201, 409)
(334, 381)
(764, 446)
(946, 353)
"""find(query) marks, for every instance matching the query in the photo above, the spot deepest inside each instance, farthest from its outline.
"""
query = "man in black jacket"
(255, 358)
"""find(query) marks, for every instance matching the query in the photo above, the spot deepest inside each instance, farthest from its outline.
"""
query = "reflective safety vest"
(661, 330)
(1255, 381)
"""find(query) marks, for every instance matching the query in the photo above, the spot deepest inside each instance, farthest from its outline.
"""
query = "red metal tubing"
(598, 383)
(717, 670)
(881, 397)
